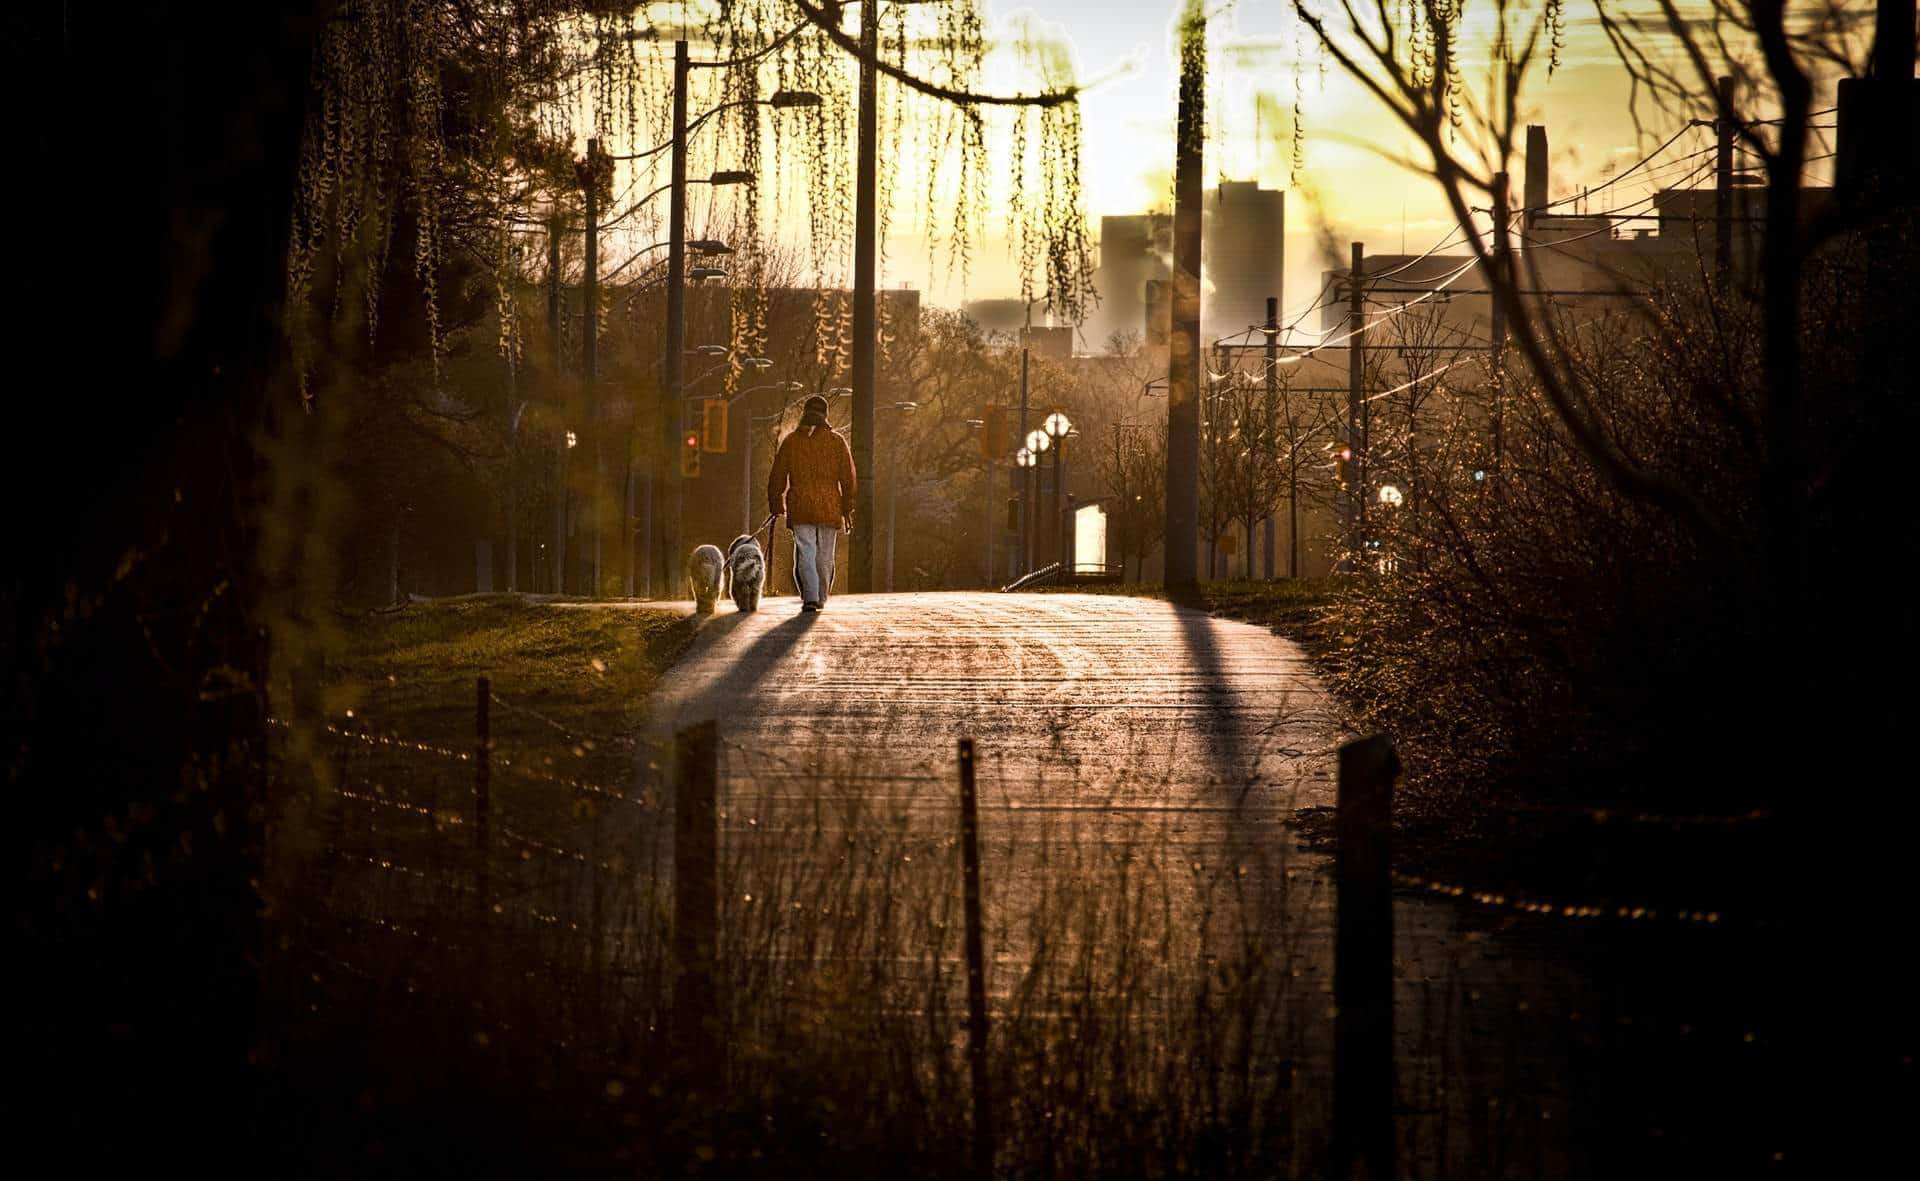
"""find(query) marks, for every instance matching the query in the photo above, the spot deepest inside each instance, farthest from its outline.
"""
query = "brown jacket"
(815, 463)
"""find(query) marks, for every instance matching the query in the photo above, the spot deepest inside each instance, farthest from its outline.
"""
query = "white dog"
(704, 567)
(746, 571)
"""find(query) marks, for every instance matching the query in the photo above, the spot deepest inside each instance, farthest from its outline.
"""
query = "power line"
(1620, 176)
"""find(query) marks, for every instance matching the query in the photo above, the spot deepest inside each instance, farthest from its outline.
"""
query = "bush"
(1540, 633)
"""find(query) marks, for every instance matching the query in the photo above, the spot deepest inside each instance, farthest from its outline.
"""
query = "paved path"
(1147, 705)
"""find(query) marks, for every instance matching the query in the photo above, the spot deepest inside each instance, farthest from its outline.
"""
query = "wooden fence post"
(695, 898)
(482, 800)
(976, 967)
(1363, 963)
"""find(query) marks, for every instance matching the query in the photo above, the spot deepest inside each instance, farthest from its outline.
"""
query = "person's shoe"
(809, 606)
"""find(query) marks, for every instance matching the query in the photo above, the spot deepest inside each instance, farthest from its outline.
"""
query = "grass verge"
(570, 683)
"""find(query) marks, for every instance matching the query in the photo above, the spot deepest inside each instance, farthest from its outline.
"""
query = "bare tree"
(1408, 59)
(1132, 466)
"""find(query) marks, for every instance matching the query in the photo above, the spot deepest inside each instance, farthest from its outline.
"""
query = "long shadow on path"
(751, 664)
(1221, 737)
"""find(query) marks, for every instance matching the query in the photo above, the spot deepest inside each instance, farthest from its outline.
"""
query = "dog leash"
(768, 553)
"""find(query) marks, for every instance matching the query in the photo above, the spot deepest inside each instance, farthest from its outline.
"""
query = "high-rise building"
(1135, 249)
(1242, 256)
(1004, 317)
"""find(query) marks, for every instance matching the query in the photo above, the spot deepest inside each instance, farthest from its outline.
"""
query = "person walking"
(812, 483)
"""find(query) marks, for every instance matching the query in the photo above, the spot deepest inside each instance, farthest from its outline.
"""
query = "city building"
(1136, 250)
(1243, 259)
(1003, 317)
(1243, 256)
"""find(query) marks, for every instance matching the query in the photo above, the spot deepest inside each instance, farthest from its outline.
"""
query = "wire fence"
(1198, 951)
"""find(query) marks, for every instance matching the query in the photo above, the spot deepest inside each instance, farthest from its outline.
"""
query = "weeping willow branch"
(821, 20)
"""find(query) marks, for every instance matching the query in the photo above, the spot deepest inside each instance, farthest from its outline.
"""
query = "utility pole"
(513, 474)
(1027, 484)
(667, 506)
(1266, 427)
(590, 352)
(893, 494)
(1497, 328)
(860, 578)
(1356, 501)
(746, 465)
(1059, 536)
(992, 519)
(559, 555)
(1723, 125)
(1183, 364)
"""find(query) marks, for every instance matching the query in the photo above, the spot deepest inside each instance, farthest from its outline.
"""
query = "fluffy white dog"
(704, 567)
(746, 571)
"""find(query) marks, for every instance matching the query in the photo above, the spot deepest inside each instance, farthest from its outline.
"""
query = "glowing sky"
(1340, 188)
(1342, 191)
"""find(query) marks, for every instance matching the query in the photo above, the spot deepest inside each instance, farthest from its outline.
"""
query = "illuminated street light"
(1025, 457)
(1391, 496)
(1060, 428)
(573, 440)
(1038, 441)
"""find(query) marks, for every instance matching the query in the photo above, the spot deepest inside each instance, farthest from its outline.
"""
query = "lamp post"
(1025, 458)
(677, 276)
(1058, 427)
(1037, 441)
(893, 480)
(570, 440)
(988, 521)
(746, 443)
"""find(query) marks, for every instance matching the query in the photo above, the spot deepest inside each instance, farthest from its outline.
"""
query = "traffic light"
(713, 425)
(993, 435)
(1342, 465)
(690, 455)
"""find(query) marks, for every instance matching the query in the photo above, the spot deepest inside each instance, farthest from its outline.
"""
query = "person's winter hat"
(814, 411)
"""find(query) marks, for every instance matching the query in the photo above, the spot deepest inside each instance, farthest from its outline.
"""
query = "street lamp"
(893, 482)
(675, 391)
(699, 273)
(1391, 496)
(1058, 427)
(746, 438)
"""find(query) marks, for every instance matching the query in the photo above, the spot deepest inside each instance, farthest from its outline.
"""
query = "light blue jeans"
(813, 552)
